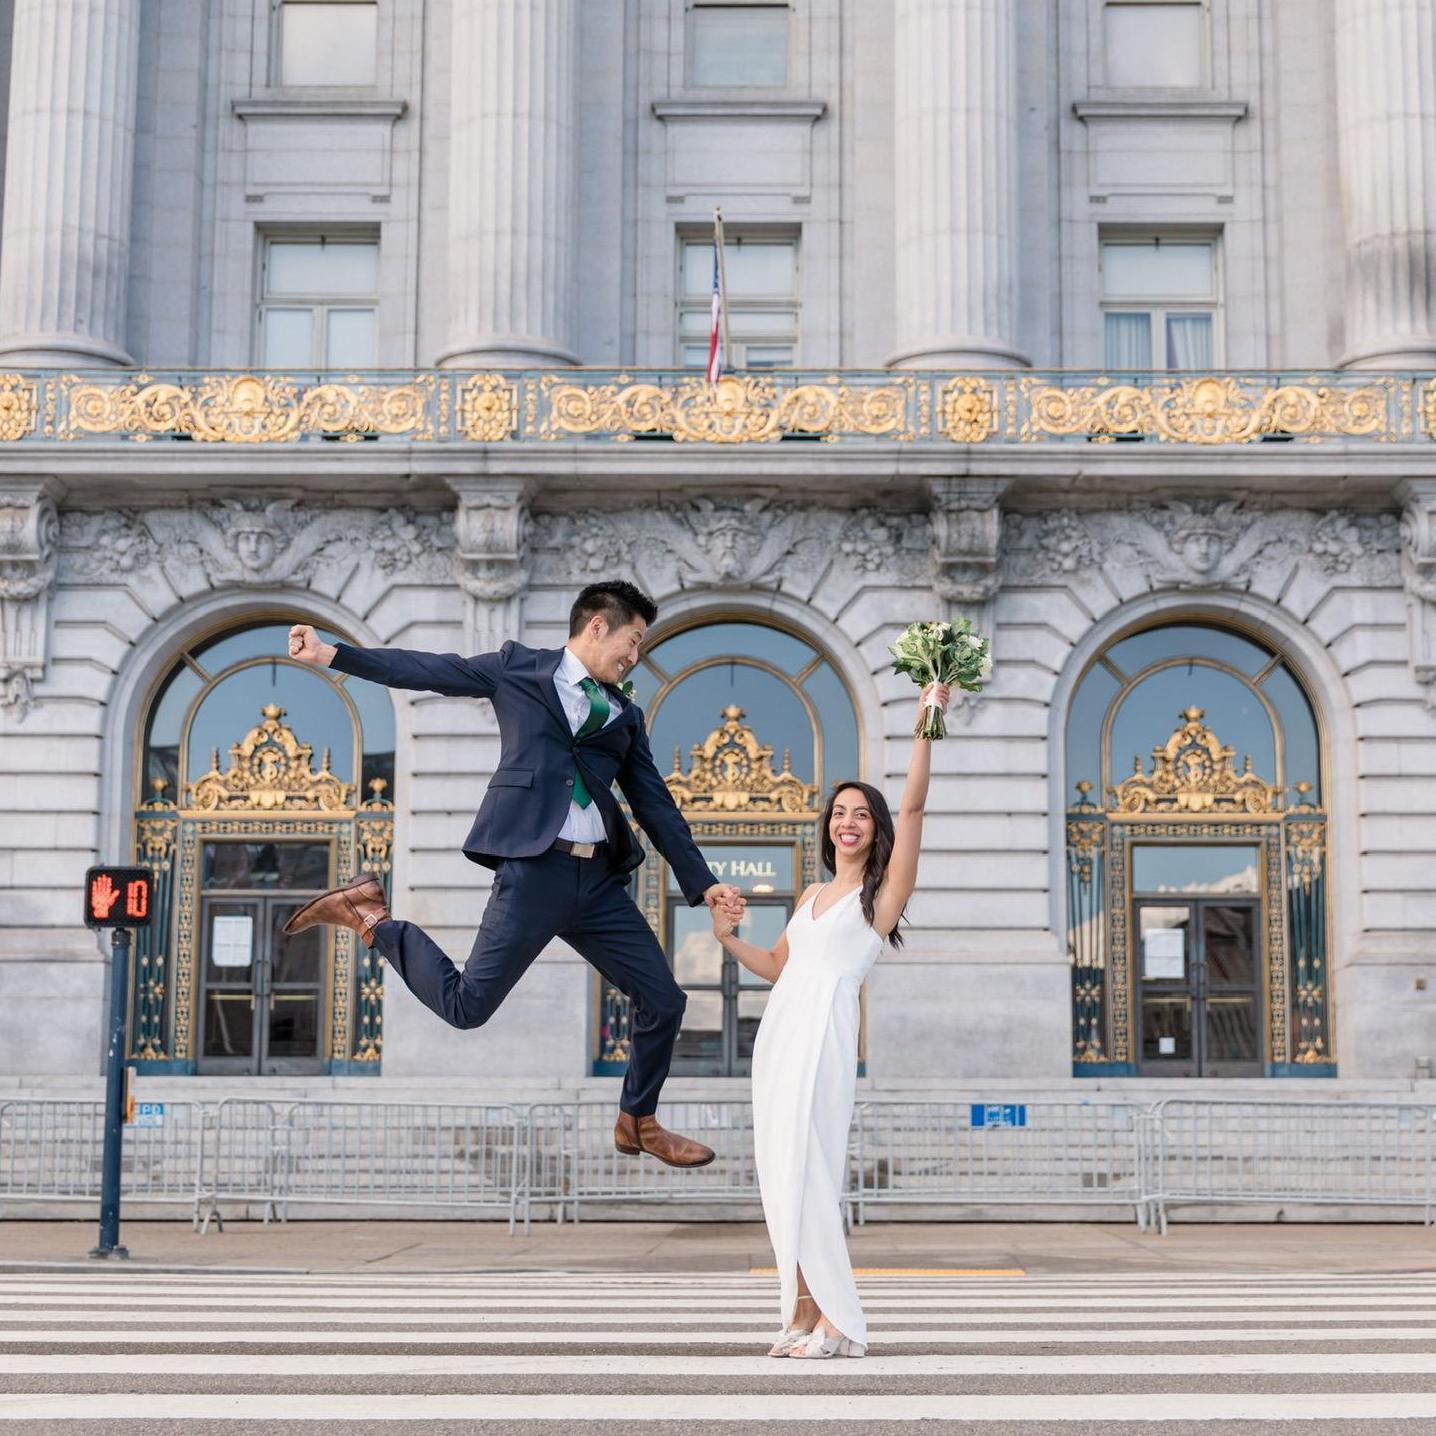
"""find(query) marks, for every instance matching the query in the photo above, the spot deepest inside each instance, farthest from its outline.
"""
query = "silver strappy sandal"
(822, 1345)
(790, 1341)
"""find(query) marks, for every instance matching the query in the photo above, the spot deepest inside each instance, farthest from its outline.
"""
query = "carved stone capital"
(29, 533)
(1418, 572)
(966, 530)
(491, 533)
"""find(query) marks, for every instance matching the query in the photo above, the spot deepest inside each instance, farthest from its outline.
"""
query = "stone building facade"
(1110, 323)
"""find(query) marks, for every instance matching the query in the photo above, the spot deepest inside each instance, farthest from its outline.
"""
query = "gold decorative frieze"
(739, 409)
(1207, 410)
(488, 409)
(731, 771)
(969, 409)
(1193, 773)
(19, 405)
(271, 771)
(246, 409)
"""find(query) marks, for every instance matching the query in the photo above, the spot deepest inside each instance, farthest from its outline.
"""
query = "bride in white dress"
(806, 1055)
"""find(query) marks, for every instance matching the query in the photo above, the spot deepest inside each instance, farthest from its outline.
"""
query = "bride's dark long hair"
(879, 854)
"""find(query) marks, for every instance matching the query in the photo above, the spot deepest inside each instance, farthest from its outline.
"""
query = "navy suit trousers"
(584, 902)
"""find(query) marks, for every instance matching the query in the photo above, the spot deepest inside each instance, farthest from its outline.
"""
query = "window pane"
(753, 268)
(695, 356)
(1189, 341)
(1084, 732)
(288, 336)
(695, 708)
(738, 45)
(763, 322)
(328, 44)
(319, 270)
(1152, 711)
(770, 645)
(1188, 868)
(350, 340)
(1157, 269)
(1150, 44)
(1133, 654)
(1298, 725)
(312, 705)
(840, 726)
(768, 356)
(1129, 341)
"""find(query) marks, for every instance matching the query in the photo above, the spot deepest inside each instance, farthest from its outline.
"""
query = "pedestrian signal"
(118, 897)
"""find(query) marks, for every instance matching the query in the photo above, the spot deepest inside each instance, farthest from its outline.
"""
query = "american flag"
(715, 335)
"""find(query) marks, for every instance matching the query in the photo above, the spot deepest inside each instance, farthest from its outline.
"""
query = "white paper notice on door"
(231, 939)
(1164, 953)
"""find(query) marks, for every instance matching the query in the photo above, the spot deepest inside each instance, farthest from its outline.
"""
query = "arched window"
(757, 725)
(1196, 846)
(262, 782)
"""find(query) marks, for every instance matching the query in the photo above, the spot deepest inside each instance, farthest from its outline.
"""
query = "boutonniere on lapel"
(625, 690)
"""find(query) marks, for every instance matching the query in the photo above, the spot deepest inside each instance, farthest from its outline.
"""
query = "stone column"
(1386, 128)
(955, 184)
(513, 184)
(69, 161)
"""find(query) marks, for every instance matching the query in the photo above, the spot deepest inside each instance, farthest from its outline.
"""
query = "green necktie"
(598, 707)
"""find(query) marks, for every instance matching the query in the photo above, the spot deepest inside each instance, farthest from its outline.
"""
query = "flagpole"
(722, 285)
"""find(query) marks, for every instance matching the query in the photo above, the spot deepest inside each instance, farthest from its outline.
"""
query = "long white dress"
(805, 1063)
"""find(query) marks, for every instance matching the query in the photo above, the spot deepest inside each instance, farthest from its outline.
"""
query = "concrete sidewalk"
(1037, 1248)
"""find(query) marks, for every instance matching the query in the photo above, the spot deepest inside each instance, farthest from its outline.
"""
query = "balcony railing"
(607, 406)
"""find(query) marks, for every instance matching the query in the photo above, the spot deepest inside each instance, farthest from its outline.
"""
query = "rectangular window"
(328, 42)
(1155, 43)
(319, 304)
(762, 279)
(1159, 302)
(743, 44)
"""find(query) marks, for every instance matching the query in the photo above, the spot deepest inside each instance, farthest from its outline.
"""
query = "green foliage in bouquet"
(948, 653)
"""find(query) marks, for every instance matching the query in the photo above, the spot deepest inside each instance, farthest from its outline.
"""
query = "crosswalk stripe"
(11, 1320)
(733, 1407)
(619, 1335)
(1384, 1363)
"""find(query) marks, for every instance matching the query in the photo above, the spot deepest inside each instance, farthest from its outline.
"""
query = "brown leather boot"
(360, 907)
(633, 1135)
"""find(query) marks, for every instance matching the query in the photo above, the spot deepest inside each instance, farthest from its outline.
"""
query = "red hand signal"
(103, 895)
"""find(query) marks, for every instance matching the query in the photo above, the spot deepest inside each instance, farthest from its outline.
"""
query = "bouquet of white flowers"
(948, 653)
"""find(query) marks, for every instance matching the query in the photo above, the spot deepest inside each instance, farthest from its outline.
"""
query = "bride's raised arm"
(901, 876)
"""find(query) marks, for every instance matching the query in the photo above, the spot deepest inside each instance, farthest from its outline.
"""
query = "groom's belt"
(579, 850)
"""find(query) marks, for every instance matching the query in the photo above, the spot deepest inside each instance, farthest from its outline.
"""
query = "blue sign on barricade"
(149, 1114)
(999, 1114)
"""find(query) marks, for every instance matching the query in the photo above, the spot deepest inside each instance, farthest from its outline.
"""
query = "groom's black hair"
(616, 599)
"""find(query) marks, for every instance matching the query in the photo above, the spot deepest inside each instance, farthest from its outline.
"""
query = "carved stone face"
(1201, 550)
(254, 548)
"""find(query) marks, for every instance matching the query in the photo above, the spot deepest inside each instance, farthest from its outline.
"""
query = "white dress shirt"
(583, 825)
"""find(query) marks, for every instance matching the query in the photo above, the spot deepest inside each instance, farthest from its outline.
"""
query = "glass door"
(262, 994)
(725, 1000)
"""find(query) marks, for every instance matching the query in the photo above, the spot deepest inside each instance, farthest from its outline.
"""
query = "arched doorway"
(1196, 860)
(263, 783)
(758, 723)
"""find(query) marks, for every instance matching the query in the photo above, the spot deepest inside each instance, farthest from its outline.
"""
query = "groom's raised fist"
(305, 645)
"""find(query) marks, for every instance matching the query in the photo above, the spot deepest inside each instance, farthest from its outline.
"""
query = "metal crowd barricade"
(572, 1159)
(1051, 1153)
(243, 1159)
(50, 1151)
(404, 1154)
(1213, 1152)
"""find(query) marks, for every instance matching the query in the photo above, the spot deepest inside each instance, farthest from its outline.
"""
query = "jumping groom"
(552, 831)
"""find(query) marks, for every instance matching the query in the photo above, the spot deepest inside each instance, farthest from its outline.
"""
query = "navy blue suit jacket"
(528, 797)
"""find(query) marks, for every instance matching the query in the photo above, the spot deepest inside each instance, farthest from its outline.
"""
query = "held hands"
(304, 645)
(725, 904)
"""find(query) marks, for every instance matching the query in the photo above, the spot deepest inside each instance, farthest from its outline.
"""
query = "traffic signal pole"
(114, 1097)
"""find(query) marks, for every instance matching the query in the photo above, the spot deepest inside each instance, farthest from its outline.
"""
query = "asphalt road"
(1249, 1342)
